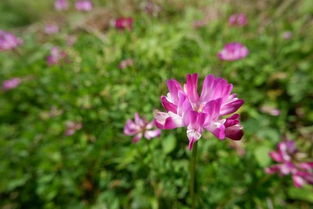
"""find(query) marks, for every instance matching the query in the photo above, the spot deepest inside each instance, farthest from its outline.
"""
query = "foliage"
(99, 167)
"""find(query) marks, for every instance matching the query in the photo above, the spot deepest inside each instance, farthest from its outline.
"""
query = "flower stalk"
(193, 163)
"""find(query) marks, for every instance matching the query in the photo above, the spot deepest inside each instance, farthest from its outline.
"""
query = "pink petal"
(168, 105)
(192, 87)
(152, 134)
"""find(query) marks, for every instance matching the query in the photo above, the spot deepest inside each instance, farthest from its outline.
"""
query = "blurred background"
(80, 75)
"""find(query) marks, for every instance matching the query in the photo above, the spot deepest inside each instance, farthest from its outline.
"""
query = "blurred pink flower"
(126, 63)
(233, 51)
(71, 40)
(55, 56)
(199, 23)
(270, 110)
(72, 127)
(287, 35)
(8, 41)
(238, 20)
(124, 23)
(150, 8)
(288, 164)
(83, 5)
(11, 84)
(140, 128)
(51, 29)
(61, 5)
(185, 108)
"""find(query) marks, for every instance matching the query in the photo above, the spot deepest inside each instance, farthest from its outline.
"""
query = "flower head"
(238, 20)
(61, 5)
(126, 63)
(124, 23)
(55, 56)
(8, 41)
(51, 29)
(288, 164)
(72, 127)
(233, 51)
(140, 128)
(11, 84)
(186, 108)
(83, 5)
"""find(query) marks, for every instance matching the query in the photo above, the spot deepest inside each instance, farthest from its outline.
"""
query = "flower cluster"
(288, 164)
(11, 84)
(55, 56)
(8, 41)
(233, 51)
(72, 127)
(51, 29)
(140, 128)
(124, 23)
(238, 20)
(185, 108)
(126, 63)
(83, 5)
(61, 5)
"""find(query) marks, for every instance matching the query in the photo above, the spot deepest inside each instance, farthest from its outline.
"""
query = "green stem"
(193, 163)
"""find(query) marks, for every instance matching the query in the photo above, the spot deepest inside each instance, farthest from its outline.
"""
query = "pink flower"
(72, 127)
(233, 51)
(61, 5)
(238, 20)
(126, 63)
(124, 23)
(55, 56)
(11, 84)
(288, 164)
(150, 8)
(185, 108)
(270, 110)
(51, 29)
(140, 128)
(8, 41)
(83, 5)
(287, 35)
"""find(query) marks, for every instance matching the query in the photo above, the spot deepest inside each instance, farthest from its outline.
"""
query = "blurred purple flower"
(51, 29)
(11, 84)
(288, 164)
(140, 128)
(83, 5)
(72, 127)
(150, 8)
(185, 108)
(238, 20)
(270, 110)
(61, 5)
(126, 63)
(199, 23)
(287, 35)
(71, 40)
(55, 56)
(233, 51)
(124, 23)
(8, 41)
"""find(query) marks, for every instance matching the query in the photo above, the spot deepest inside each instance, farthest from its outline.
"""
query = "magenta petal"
(174, 87)
(192, 87)
(231, 107)
(298, 181)
(152, 134)
(169, 123)
(234, 133)
(219, 132)
(276, 156)
(191, 142)
(137, 138)
(168, 105)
